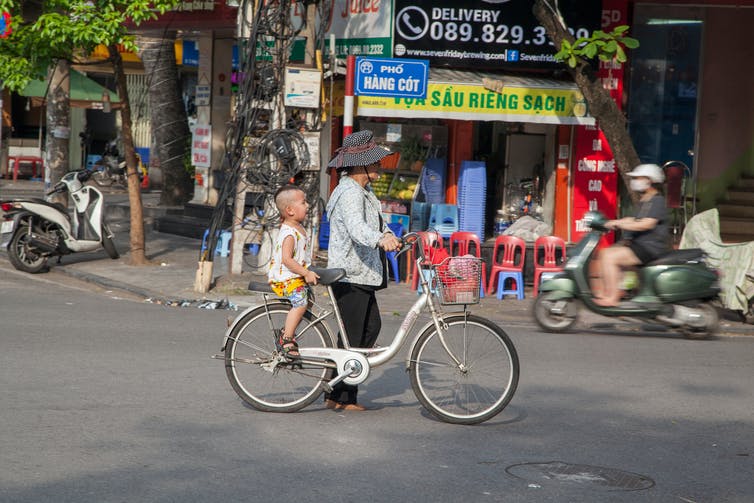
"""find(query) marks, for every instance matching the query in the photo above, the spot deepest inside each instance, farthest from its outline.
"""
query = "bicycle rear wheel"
(256, 373)
(480, 386)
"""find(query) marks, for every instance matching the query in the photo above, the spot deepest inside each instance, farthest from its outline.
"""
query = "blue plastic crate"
(433, 181)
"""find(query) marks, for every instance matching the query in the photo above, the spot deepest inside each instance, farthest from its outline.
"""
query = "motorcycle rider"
(645, 237)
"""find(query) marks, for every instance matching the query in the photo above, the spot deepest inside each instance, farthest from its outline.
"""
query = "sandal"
(288, 347)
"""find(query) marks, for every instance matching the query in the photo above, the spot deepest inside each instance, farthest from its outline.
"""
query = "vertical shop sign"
(201, 146)
(203, 95)
(595, 174)
(595, 179)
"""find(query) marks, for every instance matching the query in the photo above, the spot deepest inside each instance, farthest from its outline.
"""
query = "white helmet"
(651, 171)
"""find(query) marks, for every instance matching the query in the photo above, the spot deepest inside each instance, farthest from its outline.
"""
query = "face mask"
(639, 185)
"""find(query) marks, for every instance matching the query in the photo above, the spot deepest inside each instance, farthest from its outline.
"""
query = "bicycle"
(463, 368)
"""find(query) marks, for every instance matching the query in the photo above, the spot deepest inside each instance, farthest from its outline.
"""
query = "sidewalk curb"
(106, 282)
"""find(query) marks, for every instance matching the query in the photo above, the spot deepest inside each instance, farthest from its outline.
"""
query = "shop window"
(664, 82)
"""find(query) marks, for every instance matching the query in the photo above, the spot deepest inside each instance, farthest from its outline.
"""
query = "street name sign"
(400, 78)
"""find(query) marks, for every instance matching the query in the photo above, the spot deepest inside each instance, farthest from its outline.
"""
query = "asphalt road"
(104, 399)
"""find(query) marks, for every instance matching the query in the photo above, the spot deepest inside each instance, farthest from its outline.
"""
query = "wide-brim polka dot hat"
(359, 149)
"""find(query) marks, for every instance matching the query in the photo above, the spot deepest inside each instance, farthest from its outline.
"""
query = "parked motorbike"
(675, 290)
(36, 230)
(110, 168)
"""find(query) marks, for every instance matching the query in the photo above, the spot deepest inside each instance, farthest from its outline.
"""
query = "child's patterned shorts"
(295, 289)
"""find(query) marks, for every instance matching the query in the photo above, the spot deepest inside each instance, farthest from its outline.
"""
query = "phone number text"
(493, 34)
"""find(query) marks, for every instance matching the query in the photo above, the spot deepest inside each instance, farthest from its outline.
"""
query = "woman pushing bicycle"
(359, 239)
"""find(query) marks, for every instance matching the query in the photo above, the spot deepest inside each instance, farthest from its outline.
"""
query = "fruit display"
(403, 187)
(381, 186)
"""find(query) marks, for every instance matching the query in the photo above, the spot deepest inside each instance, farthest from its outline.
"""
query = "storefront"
(492, 97)
(521, 128)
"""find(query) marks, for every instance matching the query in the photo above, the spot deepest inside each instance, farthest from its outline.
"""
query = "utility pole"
(257, 163)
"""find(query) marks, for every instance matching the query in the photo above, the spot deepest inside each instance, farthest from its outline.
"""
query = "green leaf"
(620, 29)
(620, 55)
(572, 61)
(590, 50)
(631, 43)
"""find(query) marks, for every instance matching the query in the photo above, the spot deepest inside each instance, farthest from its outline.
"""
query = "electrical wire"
(263, 151)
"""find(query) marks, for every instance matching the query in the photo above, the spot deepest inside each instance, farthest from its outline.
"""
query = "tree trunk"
(168, 117)
(609, 117)
(58, 125)
(138, 255)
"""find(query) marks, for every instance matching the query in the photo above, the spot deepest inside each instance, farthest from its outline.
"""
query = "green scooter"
(674, 290)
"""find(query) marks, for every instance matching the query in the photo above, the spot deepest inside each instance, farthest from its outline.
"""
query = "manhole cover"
(595, 477)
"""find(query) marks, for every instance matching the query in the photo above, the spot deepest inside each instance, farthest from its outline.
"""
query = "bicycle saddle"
(328, 276)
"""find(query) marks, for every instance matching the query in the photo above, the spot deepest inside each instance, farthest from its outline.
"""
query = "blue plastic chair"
(397, 229)
(444, 219)
(508, 259)
(222, 247)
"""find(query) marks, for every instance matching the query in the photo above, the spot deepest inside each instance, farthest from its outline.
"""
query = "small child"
(292, 255)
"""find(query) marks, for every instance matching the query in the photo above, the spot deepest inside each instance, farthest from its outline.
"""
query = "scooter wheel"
(107, 243)
(712, 322)
(23, 255)
(555, 315)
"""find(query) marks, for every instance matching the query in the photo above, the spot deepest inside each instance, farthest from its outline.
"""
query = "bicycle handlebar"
(408, 241)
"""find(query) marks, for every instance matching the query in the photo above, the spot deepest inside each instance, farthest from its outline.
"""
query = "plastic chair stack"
(467, 243)
(549, 256)
(472, 196)
(222, 247)
(444, 219)
(392, 260)
(433, 181)
(508, 259)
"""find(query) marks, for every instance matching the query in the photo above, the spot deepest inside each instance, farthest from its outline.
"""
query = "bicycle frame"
(353, 364)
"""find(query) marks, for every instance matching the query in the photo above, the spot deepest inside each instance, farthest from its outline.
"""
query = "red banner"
(595, 175)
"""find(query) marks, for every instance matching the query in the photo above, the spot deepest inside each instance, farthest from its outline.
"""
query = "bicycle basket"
(458, 280)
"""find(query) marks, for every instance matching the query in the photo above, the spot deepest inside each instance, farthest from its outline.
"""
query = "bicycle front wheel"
(255, 370)
(468, 374)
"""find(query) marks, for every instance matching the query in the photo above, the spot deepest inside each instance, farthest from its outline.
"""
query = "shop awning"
(85, 93)
(478, 96)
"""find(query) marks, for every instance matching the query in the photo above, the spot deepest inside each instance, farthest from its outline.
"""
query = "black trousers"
(361, 318)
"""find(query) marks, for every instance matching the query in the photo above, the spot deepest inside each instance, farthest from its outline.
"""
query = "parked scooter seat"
(38, 200)
(677, 257)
